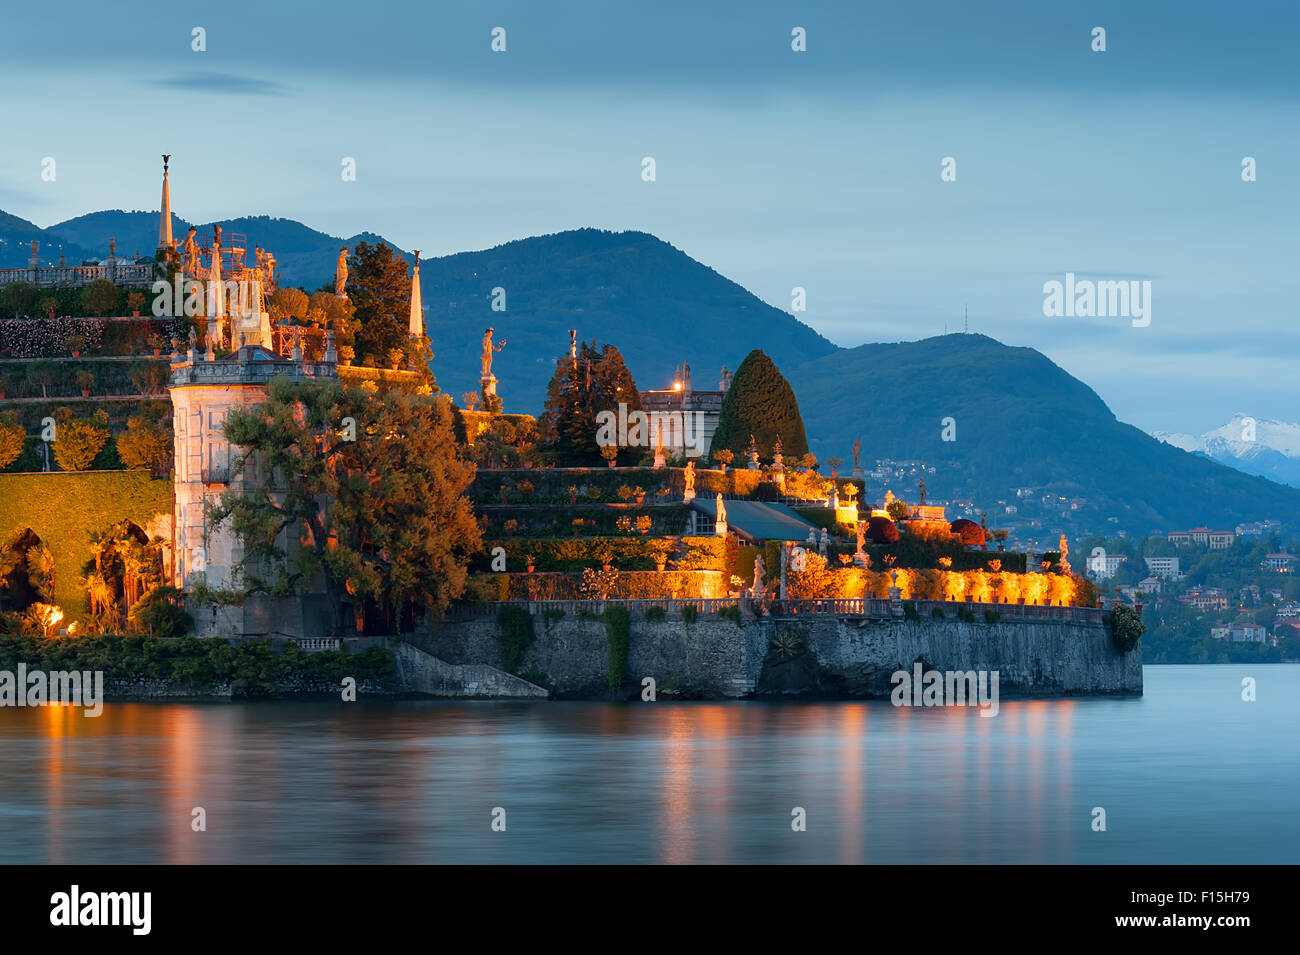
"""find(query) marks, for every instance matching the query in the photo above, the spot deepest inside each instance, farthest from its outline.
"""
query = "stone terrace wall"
(837, 657)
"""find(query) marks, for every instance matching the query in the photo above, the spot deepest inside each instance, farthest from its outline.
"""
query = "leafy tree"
(897, 509)
(760, 402)
(723, 457)
(379, 285)
(99, 296)
(148, 375)
(77, 443)
(160, 614)
(579, 390)
(336, 313)
(12, 437)
(146, 445)
(381, 518)
(288, 303)
(17, 299)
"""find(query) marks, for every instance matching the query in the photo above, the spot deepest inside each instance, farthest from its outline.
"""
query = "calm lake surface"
(1189, 773)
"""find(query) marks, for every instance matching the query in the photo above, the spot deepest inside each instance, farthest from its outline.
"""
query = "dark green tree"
(598, 380)
(760, 402)
(379, 286)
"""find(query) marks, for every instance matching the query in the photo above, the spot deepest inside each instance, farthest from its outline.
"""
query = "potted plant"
(643, 524)
(835, 466)
(573, 493)
(531, 560)
(346, 354)
(395, 357)
(135, 302)
(577, 525)
(85, 381)
(76, 343)
(156, 343)
(723, 457)
(511, 526)
(639, 495)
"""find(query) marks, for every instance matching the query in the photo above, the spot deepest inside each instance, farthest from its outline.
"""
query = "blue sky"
(779, 169)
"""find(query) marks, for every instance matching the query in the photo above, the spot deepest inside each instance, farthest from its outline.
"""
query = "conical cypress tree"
(760, 402)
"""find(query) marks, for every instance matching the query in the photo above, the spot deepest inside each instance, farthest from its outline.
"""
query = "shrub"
(514, 636)
(77, 443)
(688, 615)
(655, 613)
(966, 614)
(910, 612)
(618, 629)
(1126, 627)
(992, 616)
(938, 613)
(732, 614)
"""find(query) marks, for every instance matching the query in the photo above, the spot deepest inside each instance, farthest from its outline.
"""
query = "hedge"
(63, 510)
(598, 520)
(631, 585)
(255, 667)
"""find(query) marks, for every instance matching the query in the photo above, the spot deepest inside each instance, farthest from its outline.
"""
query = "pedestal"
(860, 560)
(858, 474)
(689, 495)
(720, 528)
(660, 462)
(489, 385)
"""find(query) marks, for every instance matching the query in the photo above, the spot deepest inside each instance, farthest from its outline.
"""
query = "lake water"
(1188, 773)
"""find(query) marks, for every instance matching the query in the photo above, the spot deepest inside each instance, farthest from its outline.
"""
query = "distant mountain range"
(303, 255)
(1020, 420)
(1261, 446)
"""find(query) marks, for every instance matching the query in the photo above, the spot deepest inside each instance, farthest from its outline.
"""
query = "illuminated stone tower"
(203, 393)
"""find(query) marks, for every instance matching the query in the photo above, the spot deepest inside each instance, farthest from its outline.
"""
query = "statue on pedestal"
(720, 524)
(659, 461)
(488, 349)
(861, 533)
(857, 455)
(822, 542)
(777, 456)
(689, 476)
(752, 453)
(920, 489)
(190, 251)
(760, 570)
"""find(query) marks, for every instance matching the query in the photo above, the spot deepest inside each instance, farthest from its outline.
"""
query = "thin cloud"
(228, 83)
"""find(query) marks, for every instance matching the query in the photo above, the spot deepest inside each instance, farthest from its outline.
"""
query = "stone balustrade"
(866, 607)
(128, 274)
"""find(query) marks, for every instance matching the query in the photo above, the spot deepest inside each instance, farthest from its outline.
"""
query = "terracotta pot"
(530, 568)
(640, 498)
(76, 354)
(85, 392)
(136, 313)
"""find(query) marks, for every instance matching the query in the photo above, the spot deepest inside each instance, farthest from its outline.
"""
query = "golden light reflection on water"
(686, 783)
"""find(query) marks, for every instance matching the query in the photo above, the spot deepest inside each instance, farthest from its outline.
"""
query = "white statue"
(722, 509)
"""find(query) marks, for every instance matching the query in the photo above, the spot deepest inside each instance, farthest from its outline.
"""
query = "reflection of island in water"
(664, 782)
